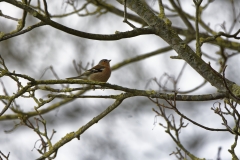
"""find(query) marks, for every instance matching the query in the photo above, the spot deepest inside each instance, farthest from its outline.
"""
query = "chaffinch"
(101, 72)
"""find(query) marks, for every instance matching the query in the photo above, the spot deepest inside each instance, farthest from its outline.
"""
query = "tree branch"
(104, 37)
(72, 135)
(183, 50)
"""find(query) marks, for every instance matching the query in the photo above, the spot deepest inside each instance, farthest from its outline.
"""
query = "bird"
(100, 73)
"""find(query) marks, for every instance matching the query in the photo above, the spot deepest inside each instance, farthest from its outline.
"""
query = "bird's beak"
(109, 60)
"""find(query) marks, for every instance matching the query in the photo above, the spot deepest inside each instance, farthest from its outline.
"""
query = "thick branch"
(183, 50)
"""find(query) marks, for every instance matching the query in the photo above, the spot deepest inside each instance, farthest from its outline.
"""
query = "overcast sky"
(130, 131)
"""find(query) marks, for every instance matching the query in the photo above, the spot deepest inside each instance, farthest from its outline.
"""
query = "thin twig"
(125, 15)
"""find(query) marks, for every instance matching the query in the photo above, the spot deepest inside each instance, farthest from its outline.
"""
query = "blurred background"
(131, 131)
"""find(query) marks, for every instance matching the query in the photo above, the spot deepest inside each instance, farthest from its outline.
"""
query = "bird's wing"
(87, 73)
(95, 69)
